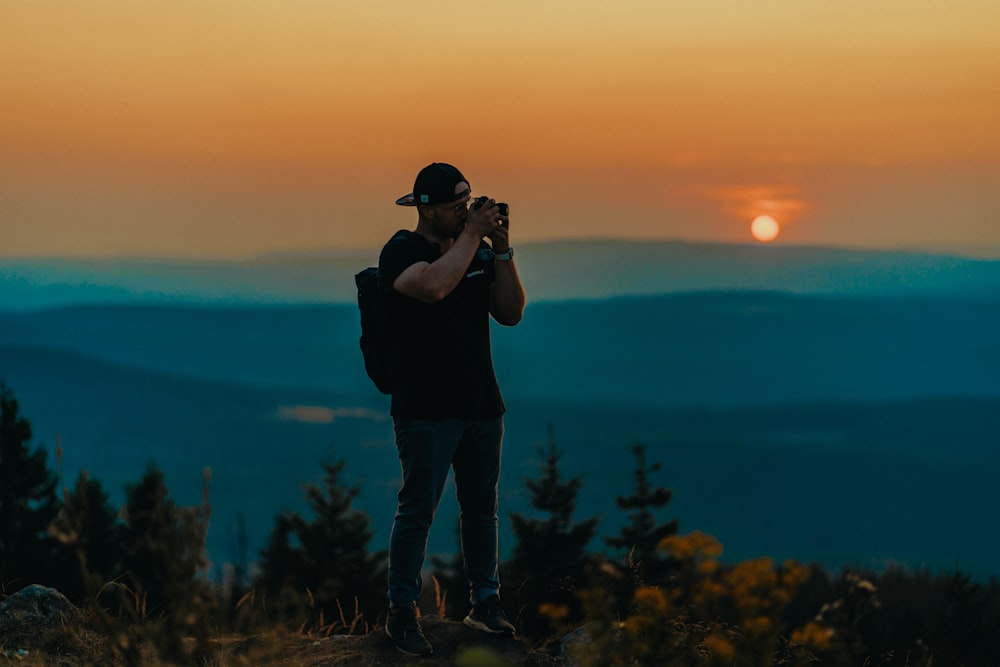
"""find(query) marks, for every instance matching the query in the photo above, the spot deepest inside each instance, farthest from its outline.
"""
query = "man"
(440, 284)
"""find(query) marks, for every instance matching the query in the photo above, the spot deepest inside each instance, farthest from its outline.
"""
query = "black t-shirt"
(443, 363)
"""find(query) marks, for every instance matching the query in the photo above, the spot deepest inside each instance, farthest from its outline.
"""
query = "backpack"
(375, 345)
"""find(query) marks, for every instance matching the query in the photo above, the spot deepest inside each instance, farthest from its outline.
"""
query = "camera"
(502, 205)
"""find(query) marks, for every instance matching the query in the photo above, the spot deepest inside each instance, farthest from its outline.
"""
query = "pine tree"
(641, 537)
(28, 504)
(89, 526)
(164, 556)
(549, 560)
(325, 559)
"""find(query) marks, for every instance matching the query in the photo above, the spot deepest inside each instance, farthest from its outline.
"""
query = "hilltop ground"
(455, 645)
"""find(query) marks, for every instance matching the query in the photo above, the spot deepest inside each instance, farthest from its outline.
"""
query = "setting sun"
(764, 228)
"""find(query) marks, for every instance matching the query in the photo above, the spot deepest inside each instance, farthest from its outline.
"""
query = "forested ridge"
(652, 594)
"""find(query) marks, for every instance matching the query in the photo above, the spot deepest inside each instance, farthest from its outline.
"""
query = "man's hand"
(500, 236)
(507, 305)
(483, 221)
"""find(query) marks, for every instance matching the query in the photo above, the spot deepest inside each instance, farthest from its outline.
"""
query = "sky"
(233, 128)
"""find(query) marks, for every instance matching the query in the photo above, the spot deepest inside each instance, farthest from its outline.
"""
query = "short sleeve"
(399, 254)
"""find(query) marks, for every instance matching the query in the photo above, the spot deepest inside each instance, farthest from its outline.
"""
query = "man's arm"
(431, 282)
(508, 294)
(507, 306)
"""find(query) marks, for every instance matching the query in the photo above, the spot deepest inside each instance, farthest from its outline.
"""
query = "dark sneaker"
(404, 631)
(488, 616)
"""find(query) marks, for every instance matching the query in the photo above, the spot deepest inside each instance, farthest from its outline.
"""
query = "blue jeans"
(427, 449)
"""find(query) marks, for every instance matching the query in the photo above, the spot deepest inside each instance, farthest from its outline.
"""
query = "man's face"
(449, 219)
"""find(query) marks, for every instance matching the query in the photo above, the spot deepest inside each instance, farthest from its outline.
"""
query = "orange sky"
(234, 127)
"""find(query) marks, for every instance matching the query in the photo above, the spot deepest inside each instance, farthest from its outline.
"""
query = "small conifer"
(28, 503)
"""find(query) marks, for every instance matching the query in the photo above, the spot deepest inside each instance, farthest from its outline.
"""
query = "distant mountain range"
(711, 348)
(821, 404)
(551, 271)
(823, 428)
(838, 483)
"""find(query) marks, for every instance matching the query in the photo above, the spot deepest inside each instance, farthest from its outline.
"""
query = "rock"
(577, 640)
(34, 609)
(577, 643)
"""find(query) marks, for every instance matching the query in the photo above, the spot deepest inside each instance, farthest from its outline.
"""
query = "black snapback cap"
(435, 184)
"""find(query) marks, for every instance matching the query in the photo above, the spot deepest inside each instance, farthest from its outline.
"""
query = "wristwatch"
(504, 256)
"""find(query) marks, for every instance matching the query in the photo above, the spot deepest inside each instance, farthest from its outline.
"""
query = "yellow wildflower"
(814, 635)
(757, 626)
(554, 612)
(693, 545)
(719, 647)
(651, 599)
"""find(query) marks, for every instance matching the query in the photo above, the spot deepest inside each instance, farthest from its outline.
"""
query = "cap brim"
(406, 200)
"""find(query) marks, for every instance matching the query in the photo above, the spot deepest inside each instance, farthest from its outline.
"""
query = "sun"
(765, 228)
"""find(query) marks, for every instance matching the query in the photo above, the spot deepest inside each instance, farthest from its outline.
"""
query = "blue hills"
(728, 348)
(842, 430)
(819, 404)
(552, 271)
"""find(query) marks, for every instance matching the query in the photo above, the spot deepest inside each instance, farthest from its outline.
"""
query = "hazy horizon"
(973, 252)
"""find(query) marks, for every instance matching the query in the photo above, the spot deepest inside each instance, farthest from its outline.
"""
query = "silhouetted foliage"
(324, 565)
(901, 618)
(638, 560)
(955, 618)
(641, 536)
(549, 560)
(164, 556)
(717, 615)
(28, 504)
(90, 528)
(233, 579)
